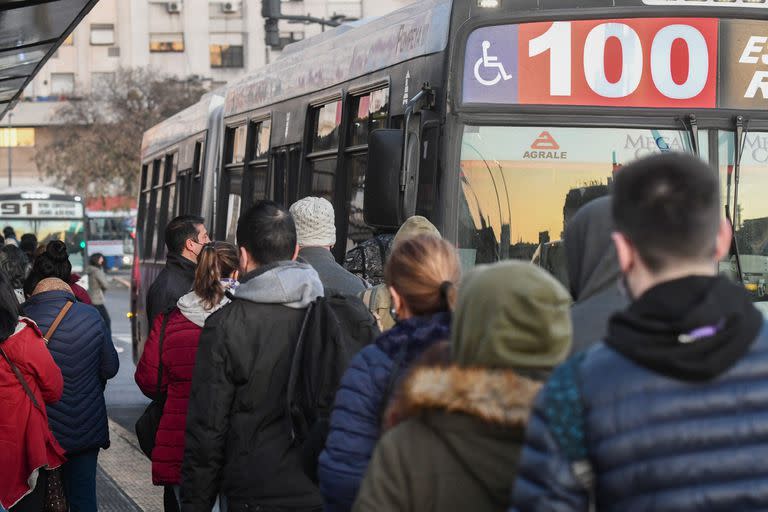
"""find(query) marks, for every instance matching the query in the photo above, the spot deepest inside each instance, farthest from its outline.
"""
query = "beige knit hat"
(315, 222)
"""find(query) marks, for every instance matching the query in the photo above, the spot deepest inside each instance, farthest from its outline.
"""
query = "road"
(125, 403)
(123, 481)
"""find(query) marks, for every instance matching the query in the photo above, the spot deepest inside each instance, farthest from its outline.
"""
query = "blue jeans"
(79, 474)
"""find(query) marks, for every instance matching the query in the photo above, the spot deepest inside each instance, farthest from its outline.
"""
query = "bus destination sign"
(32, 208)
(633, 62)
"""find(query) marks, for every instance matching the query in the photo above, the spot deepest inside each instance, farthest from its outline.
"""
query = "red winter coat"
(80, 294)
(179, 350)
(26, 441)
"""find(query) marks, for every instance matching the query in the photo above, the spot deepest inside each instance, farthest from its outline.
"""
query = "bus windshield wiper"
(739, 137)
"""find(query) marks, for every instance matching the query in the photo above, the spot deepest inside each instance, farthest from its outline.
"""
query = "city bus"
(111, 229)
(497, 119)
(48, 213)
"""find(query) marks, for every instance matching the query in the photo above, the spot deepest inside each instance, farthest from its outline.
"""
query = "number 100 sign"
(648, 62)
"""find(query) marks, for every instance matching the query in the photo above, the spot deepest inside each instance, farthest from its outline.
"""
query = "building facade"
(215, 40)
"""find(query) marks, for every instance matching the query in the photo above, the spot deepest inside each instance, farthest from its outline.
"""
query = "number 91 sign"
(648, 62)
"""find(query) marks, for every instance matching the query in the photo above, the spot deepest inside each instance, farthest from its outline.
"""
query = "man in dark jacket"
(316, 236)
(185, 237)
(593, 273)
(238, 443)
(670, 413)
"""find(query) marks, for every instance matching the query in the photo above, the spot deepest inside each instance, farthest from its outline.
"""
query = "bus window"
(142, 212)
(196, 193)
(169, 200)
(326, 122)
(151, 215)
(236, 144)
(521, 185)
(746, 203)
(368, 112)
(258, 172)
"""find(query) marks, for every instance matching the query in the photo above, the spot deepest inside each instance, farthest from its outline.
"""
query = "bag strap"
(565, 411)
(55, 325)
(293, 376)
(160, 351)
(21, 378)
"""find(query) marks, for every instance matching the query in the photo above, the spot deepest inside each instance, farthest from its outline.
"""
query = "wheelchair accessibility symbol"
(489, 62)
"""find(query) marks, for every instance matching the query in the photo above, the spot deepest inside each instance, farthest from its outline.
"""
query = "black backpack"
(334, 329)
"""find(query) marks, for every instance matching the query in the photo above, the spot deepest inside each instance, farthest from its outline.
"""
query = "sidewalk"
(124, 480)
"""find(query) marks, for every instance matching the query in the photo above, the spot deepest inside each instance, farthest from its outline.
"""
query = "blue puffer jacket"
(360, 402)
(657, 443)
(87, 358)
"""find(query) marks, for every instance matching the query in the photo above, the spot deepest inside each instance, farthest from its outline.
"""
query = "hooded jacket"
(675, 408)
(464, 423)
(174, 280)
(98, 284)
(363, 394)
(182, 334)
(593, 272)
(26, 440)
(237, 440)
(87, 358)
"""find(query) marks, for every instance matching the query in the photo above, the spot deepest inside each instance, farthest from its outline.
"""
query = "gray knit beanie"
(315, 222)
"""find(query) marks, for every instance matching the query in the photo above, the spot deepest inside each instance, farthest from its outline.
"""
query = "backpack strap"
(55, 325)
(21, 379)
(564, 409)
(293, 375)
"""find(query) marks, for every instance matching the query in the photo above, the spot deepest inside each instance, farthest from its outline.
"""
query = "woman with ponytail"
(216, 275)
(29, 448)
(422, 274)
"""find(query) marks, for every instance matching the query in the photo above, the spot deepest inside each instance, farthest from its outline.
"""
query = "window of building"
(227, 51)
(161, 43)
(17, 137)
(62, 84)
(102, 34)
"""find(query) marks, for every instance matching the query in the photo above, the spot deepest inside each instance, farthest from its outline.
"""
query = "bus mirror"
(382, 179)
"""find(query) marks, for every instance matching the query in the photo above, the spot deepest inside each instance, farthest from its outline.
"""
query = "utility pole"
(10, 149)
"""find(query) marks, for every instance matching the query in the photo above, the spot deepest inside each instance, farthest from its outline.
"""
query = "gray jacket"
(98, 283)
(332, 275)
(593, 272)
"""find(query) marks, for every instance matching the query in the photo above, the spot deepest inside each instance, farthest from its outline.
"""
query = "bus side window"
(196, 191)
(150, 232)
(143, 199)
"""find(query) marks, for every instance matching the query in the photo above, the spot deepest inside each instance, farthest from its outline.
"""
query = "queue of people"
(57, 356)
(641, 389)
(496, 391)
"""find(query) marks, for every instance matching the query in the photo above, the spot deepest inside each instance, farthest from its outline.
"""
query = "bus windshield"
(71, 231)
(521, 185)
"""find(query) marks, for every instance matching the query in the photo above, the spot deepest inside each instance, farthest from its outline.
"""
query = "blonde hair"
(425, 271)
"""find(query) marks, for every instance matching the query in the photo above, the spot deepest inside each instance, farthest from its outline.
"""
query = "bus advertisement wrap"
(637, 62)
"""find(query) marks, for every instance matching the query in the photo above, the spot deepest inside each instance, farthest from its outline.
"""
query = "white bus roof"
(188, 122)
(344, 53)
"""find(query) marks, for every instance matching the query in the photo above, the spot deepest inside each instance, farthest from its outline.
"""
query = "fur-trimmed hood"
(500, 397)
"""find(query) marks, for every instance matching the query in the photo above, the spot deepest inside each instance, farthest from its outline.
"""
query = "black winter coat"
(175, 280)
(237, 440)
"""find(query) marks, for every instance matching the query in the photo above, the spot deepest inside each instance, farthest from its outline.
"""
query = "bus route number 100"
(648, 62)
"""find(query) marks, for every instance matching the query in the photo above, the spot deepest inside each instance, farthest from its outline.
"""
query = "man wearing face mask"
(185, 237)
(670, 412)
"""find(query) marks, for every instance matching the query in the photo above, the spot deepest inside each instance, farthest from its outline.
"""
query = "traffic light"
(271, 33)
(270, 9)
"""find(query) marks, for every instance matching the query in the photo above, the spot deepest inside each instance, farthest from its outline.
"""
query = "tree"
(97, 149)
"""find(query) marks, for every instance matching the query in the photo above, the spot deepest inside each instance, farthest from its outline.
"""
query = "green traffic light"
(82, 244)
